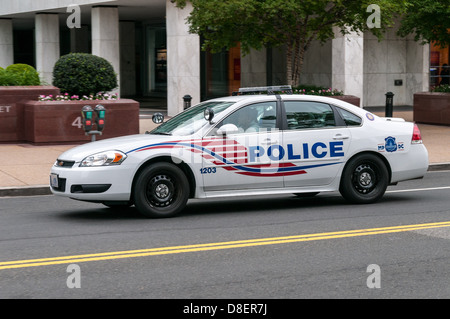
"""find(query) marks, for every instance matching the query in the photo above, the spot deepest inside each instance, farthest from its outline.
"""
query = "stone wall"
(12, 116)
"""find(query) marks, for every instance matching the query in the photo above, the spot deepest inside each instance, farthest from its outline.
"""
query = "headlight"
(104, 159)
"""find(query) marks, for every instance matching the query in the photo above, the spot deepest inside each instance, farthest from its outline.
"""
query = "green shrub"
(443, 88)
(6, 78)
(19, 74)
(84, 74)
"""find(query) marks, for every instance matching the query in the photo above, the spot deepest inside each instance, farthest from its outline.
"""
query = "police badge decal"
(391, 145)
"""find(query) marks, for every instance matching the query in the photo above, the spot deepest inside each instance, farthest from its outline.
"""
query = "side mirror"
(227, 129)
(208, 114)
(158, 118)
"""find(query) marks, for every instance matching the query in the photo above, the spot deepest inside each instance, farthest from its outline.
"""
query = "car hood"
(124, 144)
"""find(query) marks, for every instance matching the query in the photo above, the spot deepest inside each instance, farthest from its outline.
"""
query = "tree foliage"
(290, 23)
(428, 20)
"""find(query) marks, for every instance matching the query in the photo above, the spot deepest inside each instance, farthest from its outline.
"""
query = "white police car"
(246, 145)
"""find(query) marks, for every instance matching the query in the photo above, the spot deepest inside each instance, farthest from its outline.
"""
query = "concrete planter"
(60, 121)
(349, 99)
(12, 99)
(432, 108)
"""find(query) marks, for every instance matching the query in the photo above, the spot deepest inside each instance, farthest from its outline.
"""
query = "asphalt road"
(279, 247)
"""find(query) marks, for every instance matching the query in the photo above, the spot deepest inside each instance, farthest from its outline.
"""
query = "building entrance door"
(154, 73)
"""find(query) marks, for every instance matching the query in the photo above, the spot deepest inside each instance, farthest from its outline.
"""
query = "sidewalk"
(25, 168)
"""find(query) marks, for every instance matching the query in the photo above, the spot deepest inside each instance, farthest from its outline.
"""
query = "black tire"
(364, 179)
(161, 190)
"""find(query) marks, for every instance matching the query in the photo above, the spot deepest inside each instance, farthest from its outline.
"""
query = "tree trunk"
(295, 54)
(300, 57)
(289, 65)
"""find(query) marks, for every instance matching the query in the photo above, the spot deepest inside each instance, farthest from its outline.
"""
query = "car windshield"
(191, 120)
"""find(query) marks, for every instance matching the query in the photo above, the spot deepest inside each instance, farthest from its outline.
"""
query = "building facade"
(150, 47)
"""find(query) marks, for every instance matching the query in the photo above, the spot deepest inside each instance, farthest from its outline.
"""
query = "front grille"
(89, 188)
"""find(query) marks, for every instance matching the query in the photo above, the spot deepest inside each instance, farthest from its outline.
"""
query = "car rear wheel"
(364, 179)
(161, 190)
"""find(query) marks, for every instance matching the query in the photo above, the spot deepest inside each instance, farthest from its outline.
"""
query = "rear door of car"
(316, 141)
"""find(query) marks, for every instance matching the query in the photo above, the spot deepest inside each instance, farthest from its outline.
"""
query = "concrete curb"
(25, 191)
(45, 189)
(439, 167)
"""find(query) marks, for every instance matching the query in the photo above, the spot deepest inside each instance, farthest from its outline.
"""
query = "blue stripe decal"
(239, 167)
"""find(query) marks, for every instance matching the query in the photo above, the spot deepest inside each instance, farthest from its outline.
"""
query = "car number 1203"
(207, 170)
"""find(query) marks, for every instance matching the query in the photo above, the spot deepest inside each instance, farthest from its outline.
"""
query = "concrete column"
(105, 37)
(183, 59)
(47, 44)
(347, 60)
(417, 75)
(6, 43)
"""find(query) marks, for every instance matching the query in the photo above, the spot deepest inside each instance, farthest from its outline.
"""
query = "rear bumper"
(411, 165)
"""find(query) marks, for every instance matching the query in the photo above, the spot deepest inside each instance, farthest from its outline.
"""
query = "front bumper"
(109, 183)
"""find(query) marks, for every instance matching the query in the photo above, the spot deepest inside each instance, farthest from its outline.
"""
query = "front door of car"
(240, 152)
(316, 148)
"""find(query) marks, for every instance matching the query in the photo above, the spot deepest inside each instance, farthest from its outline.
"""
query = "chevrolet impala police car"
(246, 145)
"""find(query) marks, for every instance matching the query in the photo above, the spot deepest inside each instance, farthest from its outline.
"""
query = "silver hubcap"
(161, 191)
(365, 179)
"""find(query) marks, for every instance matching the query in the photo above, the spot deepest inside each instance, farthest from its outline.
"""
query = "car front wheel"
(161, 190)
(364, 179)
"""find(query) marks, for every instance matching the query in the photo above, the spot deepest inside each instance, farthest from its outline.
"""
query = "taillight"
(416, 137)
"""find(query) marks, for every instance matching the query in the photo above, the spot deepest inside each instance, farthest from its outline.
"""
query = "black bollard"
(389, 104)
(187, 101)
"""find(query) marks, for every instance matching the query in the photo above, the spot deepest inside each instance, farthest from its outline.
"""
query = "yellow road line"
(215, 246)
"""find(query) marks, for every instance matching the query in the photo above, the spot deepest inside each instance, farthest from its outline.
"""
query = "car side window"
(350, 119)
(253, 118)
(306, 115)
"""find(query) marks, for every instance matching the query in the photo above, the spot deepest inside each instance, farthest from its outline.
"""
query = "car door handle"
(340, 137)
(268, 141)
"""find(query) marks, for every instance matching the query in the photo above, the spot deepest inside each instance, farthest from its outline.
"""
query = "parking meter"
(100, 119)
(87, 113)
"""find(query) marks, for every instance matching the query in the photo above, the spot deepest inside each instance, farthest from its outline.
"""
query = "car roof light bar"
(269, 89)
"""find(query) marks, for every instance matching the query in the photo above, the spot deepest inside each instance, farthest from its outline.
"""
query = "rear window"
(350, 119)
